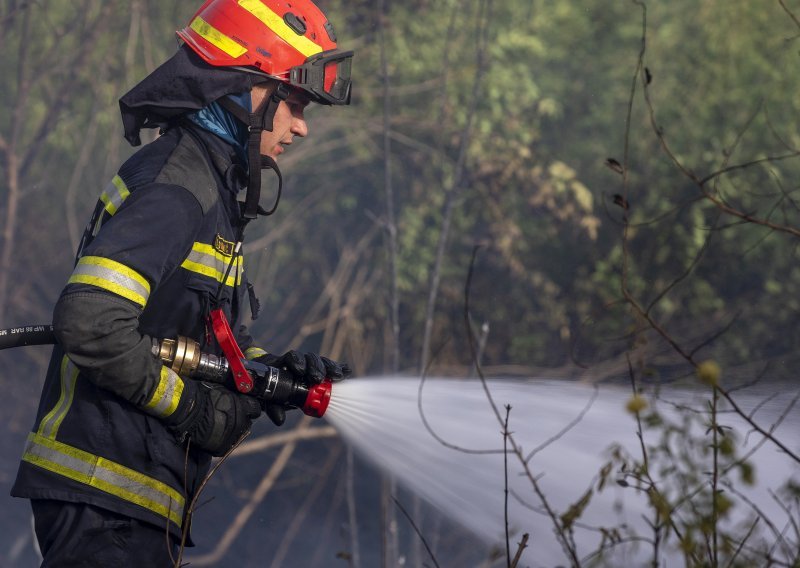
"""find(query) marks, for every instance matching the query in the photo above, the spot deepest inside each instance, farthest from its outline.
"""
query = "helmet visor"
(326, 77)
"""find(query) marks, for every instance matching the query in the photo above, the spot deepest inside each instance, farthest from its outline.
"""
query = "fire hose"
(184, 356)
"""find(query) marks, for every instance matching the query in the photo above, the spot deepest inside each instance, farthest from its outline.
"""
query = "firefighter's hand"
(276, 413)
(213, 418)
(309, 368)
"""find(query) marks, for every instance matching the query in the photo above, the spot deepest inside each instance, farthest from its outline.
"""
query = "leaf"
(614, 165)
(620, 201)
(576, 510)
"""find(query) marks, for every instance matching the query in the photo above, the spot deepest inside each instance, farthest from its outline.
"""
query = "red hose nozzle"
(318, 398)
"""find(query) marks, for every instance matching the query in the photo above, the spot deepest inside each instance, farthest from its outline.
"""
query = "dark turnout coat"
(152, 260)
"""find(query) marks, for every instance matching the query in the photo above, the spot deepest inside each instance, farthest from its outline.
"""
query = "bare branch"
(505, 482)
(482, 63)
(272, 440)
(416, 530)
(564, 539)
(521, 546)
(391, 224)
(744, 165)
(790, 13)
(692, 265)
(214, 557)
(568, 427)
(316, 490)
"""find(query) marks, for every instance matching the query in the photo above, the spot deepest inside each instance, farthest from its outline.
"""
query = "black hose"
(27, 335)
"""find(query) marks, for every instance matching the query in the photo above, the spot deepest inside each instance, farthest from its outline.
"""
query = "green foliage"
(551, 108)
(691, 468)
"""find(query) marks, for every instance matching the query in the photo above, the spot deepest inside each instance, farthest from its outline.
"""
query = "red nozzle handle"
(318, 398)
(227, 341)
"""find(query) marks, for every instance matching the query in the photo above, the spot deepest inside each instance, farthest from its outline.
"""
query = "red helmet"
(288, 40)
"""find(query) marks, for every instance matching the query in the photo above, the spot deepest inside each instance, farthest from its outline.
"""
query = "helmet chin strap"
(257, 123)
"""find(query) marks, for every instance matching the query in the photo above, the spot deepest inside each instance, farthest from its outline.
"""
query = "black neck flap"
(258, 122)
(184, 83)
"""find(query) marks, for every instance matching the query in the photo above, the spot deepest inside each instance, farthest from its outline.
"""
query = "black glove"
(309, 368)
(213, 417)
(276, 413)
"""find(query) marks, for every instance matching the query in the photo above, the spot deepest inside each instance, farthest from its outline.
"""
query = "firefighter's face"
(288, 122)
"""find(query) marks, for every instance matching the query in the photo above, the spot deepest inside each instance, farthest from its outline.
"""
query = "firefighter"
(121, 442)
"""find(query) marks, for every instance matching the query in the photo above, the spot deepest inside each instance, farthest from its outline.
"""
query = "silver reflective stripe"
(112, 198)
(112, 276)
(167, 394)
(114, 195)
(205, 259)
(105, 475)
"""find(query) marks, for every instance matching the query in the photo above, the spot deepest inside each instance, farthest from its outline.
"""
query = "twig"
(701, 182)
(566, 544)
(482, 27)
(316, 489)
(196, 497)
(416, 530)
(271, 440)
(690, 359)
(435, 435)
(505, 480)
(715, 431)
(791, 14)
(768, 159)
(566, 428)
(735, 555)
(391, 223)
(692, 265)
(713, 337)
(224, 543)
(355, 554)
(520, 548)
(779, 538)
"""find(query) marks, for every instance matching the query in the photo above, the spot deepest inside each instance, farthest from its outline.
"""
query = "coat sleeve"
(96, 318)
(246, 343)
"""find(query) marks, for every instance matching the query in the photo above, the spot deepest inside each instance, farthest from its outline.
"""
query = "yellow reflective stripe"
(97, 225)
(112, 276)
(114, 195)
(105, 475)
(252, 352)
(205, 259)
(50, 424)
(215, 37)
(167, 395)
(274, 22)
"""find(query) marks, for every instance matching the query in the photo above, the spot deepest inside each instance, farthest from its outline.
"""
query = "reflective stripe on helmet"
(52, 420)
(112, 276)
(277, 35)
(216, 38)
(105, 475)
(167, 394)
(276, 23)
(206, 260)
